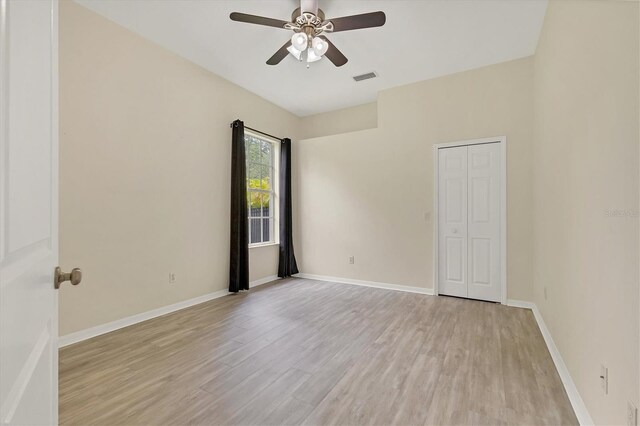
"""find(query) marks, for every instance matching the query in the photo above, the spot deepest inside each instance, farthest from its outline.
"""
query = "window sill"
(263, 245)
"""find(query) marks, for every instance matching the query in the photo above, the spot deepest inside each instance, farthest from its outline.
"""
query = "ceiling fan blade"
(333, 54)
(356, 22)
(279, 55)
(258, 20)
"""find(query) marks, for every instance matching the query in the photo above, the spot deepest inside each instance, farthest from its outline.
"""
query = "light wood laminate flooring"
(310, 352)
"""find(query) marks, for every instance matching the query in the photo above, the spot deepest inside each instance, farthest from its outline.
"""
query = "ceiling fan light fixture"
(311, 55)
(320, 46)
(309, 25)
(299, 41)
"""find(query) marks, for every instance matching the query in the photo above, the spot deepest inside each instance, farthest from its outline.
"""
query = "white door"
(452, 214)
(483, 222)
(28, 212)
(469, 200)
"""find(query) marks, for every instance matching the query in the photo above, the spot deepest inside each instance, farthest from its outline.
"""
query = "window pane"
(266, 229)
(252, 147)
(265, 173)
(255, 231)
(254, 175)
(255, 203)
(266, 204)
(266, 153)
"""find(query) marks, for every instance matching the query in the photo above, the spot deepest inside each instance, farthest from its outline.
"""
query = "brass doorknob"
(75, 276)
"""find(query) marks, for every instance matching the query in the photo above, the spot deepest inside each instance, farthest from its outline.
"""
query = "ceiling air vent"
(366, 76)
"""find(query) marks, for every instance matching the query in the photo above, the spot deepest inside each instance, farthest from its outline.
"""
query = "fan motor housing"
(298, 12)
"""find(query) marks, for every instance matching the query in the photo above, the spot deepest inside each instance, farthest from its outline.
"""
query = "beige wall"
(365, 194)
(345, 120)
(586, 142)
(144, 172)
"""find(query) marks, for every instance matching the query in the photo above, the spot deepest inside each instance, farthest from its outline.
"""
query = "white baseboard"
(397, 287)
(520, 304)
(577, 403)
(264, 280)
(88, 333)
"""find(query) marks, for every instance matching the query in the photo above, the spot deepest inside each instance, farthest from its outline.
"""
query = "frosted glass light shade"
(320, 46)
(311, 55)
(299, 41)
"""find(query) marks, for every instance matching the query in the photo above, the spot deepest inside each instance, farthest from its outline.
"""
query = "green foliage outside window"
(259, 163)
(259, 199)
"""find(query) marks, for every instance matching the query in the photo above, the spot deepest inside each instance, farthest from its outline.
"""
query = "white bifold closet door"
(469, 221)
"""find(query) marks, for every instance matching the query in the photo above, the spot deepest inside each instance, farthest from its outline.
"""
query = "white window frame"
(274, 193)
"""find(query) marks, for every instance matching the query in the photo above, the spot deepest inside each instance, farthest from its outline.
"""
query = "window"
(262, 184)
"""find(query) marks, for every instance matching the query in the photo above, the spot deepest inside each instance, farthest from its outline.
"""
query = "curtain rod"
(258, 131)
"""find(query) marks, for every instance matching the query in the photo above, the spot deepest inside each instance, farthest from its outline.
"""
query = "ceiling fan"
(308, 43)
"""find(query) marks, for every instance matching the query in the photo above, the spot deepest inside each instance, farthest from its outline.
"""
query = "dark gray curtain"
(287, 264)
(239, 249)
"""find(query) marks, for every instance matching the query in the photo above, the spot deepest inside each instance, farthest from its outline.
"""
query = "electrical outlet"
(172, 278)
(352, 260)
(604, 379)
(545, 293)
(632, 414)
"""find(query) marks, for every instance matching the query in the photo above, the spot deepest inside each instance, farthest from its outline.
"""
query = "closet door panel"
(452, 218)
(483, 260)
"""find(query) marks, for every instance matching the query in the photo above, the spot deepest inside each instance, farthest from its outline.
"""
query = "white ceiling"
(422, 39)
